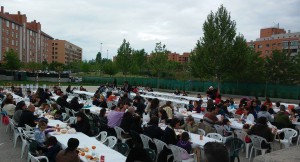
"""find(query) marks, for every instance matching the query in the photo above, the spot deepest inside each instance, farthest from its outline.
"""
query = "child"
(58, 115)
(227, 127)
(185, 144)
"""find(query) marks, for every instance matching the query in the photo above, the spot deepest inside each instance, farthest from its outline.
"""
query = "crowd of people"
(130, 114)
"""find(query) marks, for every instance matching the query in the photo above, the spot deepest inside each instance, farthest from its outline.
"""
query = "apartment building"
(64, 52)
(25, 38)
(184, 58)
(276, 38)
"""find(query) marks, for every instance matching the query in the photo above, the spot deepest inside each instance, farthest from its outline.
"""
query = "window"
(13, 25)
(17, 28)
(260, 46)
(12, 34)
(7, 40)
(7, 32)
(55, 57)
(17, 43)
(7, 49)
(16, 35)
(7, 24)
(267, 45)
(13, 42)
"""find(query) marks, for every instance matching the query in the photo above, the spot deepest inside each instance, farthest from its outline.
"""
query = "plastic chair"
(28, 128)
(288, 135)
(234, 145)
(151, 153)
(102, 136)
(177, 154)
(119, 132)
(74, 112)
(215, 136)
(36, 159)
(111, 141)
(298, 128)
(159, 145)
(68, 111)
(257, 141)
(136, 139)
(220, 130)
(122, 148)
(64, 115)
(15, 131)
(72, 120)
(145, 141)
(242, 135)
(201, 132)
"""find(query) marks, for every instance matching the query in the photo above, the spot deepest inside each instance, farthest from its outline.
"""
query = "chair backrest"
(37, 159)
(257, 141)
(215, 136)
(111, 141)
(234, 145)
(159, 145)
(119, 132)
(23, 137)
(201, 132)
(122, 148)
(64, 115)
(74, 112)
(72, 120)
(240, 134)
(145, 140)
(177, 152)
(68, 111)
(28, 128)
(135, 136)
(151, 153)
(102, 136)
(219, 129)
(289, 133)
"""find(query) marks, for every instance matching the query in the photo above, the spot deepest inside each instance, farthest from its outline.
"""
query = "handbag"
(5, 118)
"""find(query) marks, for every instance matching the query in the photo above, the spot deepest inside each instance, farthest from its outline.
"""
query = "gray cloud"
(176, 23)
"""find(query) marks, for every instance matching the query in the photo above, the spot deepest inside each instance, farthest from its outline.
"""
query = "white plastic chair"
(28, 128)
(68, 111)
(159, 146)
(72, 120)
(257, 141)
(242, 135)
(215, 136)
(201, 131)
(145, 140)
(15, 131)
(64, 115)
(220, 130)
(111, 141)
(119, 132)
(74, 112)
(298, 128)
(288, 135)
(36, 159)
(102, 135)
(178, 151)
(25, 143)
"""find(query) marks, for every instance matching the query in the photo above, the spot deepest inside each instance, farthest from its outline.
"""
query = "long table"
(86, 141)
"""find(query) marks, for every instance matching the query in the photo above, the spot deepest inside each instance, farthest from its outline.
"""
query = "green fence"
(236, 88)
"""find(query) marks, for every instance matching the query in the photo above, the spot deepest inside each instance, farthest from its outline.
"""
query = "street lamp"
(107, 54)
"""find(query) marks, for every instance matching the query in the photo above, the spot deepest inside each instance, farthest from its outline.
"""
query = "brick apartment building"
(276, 38)
(31, 43)
(26, 38)
(64, 52)
(184, 58)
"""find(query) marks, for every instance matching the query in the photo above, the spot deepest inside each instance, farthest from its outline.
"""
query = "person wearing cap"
(281, 119)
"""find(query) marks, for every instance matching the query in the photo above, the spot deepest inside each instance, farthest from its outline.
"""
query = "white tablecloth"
(85, 141)
(195, 139)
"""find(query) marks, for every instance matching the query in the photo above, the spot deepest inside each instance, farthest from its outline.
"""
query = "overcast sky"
(175, 23)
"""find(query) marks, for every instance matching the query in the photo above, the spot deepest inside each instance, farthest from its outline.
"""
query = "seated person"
(247, 116)
(162, 115)
(227, 128)
(82, 124)
(70, 154)
(153, 130)
(169, 136)
(185, 144)
(264, 113)
(27, 117)
(45, 108)
(39, 133)
(58, 115)
(210, 150)
(75, 105)
(190, 125)
(102, 116)
(281, 119)
(114, 117)
(211, 117)
(52, 148)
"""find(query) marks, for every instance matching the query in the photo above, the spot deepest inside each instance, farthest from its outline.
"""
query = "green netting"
(236, 88)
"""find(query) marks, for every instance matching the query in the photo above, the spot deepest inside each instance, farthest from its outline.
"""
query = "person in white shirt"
(9, 107)
(247, 116)
(264, 113)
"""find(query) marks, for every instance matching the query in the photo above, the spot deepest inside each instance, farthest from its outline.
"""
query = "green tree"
(33, 66)
(123, 57)
(12, 61)
(86, 67)
(110, 68)
(98, 57)
(54, 65)
(138, 61)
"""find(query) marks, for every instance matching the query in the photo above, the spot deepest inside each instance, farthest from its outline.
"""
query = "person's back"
(216, 152)
(70, 154)
(265, 114)
(114, 118)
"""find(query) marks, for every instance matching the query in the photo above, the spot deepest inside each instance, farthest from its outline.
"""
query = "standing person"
(169, 109)
(127, 119)
(70, 154)
(140, 106)
(163, 116)
(154, 107)
(115, 83)
(127, 87)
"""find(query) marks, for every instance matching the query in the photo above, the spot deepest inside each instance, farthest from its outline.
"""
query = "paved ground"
(7, 152)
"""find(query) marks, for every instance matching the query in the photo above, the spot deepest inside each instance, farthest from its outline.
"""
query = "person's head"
(127, 104)
(154, 120)
(28, 93)
(154, 103)
(8, 101)
(54, 106)
(262, 120)
(226, 121)
(210, 150)
(190, 119)
(268, 100)
(102, 112)
(74, 99)
(73, 143)
(169, 103)
(21, 105)
(185, 136)
(215, 110)
(120, 105)
(174, 123)
(246, 111)
(80, 116)
(42, 125)
(65, 97)
(131, 110)
(277, 104)
(293, 112)
(31, 108)
(263, 108)
(45, 106)
(246, 126)
(51, 141)
(282, 108)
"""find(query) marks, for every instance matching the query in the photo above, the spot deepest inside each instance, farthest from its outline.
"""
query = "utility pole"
(107, 54)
